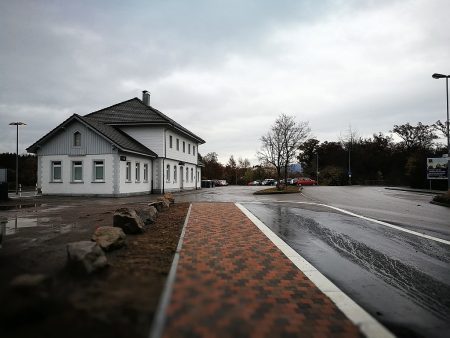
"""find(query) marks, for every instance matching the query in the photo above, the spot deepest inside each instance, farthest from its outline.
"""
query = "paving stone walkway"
(232, 281)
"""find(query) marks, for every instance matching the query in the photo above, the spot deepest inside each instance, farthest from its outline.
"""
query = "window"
(178, 144)
(184, 147)
(174, 173)
(77, 139)
(146, 172)
(168, 173)
(77, 171)
(138, 172)
(193, 150)
(99, 171)
(170, 141)
(192, 174)
(189, 148)
(56, 171)
(187, 174)
(128, 172)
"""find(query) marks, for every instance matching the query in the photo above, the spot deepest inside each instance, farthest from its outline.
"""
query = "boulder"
(169, 196)
(128, 220)
(86, 256)
(109, 238)
(157, 205)
(165, 202)
(147, 215)
(29, 281)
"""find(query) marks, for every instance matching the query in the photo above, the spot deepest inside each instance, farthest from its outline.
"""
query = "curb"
(160, 315)
(429, 192)
(368, 325)
(440, 204)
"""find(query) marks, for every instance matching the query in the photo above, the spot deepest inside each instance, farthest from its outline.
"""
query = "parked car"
(269, 181)
(220, 183)
(254, 182)
(305, 181)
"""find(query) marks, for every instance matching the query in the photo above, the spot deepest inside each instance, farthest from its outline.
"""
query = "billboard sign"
(437, 168)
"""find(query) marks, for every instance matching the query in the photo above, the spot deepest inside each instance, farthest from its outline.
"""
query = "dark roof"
(135, 112)
(115, 136)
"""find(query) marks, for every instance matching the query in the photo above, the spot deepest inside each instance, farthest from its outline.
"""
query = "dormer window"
(77, 139)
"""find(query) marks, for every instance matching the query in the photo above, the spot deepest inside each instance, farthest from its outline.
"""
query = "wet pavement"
(401, 279)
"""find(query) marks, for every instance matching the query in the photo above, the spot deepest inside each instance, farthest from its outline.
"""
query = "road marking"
(366, 323)
(440, 240)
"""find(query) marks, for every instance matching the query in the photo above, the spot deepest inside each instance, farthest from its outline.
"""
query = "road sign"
(437, 168)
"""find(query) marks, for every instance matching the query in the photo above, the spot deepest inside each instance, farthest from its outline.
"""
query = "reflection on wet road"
(401, 279)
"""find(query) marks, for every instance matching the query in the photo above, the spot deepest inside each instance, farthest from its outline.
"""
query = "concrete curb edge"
(160, 315)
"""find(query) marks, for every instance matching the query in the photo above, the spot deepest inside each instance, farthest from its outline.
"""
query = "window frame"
(184, 147)
(94, 166)
(187, 174)
(178, 144)
(167, 172)
(193, 150)
(53, 166)
(189, 148)
(76, 140)
(192, 175)
(175, 169)
(170, 141)
(145, 172)
(75, 165)
(137, 172)
(128, 172)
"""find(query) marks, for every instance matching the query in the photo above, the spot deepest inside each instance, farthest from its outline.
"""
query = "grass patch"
(274, 191)
(443, 198)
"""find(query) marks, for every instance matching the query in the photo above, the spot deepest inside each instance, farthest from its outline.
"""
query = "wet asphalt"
(401, 279)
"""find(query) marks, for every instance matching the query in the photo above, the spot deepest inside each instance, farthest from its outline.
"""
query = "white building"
(128, 148)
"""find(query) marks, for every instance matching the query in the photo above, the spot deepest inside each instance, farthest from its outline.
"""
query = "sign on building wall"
(437, 168)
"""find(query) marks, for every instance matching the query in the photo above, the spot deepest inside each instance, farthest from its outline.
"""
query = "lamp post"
(17, 124)
(441, 76)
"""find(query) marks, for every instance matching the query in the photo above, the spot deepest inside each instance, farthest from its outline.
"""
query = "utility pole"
(317, 168)
(17, 124)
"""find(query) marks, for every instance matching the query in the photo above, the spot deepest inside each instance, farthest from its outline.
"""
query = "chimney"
(146, 97)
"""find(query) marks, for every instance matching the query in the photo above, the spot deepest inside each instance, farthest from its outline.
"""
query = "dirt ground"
(119, 301)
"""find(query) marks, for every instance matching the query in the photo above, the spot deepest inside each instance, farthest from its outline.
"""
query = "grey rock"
(86, 256)
(157, 205)
(169, 196)
(147, 215)
(165, 202)
(109, 238)
(128, 220)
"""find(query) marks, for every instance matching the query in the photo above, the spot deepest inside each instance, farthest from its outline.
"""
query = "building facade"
(128, 148)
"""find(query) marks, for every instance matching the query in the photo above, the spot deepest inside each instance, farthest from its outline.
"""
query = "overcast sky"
(225, 69)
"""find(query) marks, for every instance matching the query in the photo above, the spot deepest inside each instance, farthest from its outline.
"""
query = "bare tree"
(420, 136)
(281, 143)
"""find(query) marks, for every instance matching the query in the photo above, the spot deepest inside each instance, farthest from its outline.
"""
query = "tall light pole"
(441, 76)
(17, 124)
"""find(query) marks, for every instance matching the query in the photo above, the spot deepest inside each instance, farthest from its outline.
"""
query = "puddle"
(16, 224)
(20, 206)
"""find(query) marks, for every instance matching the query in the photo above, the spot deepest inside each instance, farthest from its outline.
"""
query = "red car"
(305, 181)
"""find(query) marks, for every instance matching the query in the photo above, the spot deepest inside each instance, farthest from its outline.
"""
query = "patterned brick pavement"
(232, 281)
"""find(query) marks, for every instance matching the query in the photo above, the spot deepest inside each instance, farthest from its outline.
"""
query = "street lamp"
(441, 76)
(17, 124)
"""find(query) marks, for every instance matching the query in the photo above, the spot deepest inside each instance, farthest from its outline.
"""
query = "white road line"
(440, 240)
(367, 324)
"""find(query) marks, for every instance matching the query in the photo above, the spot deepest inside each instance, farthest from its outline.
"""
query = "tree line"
(27, 169)
(376, 160)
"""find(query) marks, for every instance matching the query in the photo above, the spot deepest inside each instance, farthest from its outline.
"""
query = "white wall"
(179, 154)
(133, 186)
(172, 184)
(66, 186)
(151, 137)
